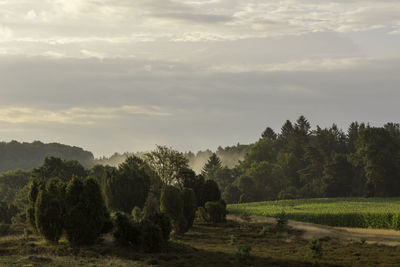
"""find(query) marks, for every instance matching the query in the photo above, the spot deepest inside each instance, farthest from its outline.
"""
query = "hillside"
(25, 156)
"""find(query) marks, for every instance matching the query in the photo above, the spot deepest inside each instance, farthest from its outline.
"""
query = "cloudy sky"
(122, 75)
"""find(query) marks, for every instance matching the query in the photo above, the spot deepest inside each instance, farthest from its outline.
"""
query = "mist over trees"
(229, 156)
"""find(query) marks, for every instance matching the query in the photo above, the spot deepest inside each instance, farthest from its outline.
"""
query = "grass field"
(346, 212)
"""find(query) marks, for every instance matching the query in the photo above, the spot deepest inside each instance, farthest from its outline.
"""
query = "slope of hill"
(25, 156)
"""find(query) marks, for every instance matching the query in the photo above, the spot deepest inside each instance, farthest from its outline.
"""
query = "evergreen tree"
(189, 207)
(213, 164)
(50, 210)
(338, 176)
(172, 204)
(128, 186)
(85, 213)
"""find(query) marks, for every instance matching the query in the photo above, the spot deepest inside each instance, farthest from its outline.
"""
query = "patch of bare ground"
(313, 231)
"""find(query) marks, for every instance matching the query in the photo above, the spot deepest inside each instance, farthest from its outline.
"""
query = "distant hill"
(25, 156)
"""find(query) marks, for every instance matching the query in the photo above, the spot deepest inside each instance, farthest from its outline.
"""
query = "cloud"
(96, 23)
(75, 115)
(303, 65)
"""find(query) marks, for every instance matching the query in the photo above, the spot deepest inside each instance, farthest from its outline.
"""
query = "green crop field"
(345, 212)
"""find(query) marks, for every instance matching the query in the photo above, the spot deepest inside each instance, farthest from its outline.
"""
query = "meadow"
(342, 212)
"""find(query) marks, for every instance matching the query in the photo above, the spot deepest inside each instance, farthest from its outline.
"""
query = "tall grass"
(345, 212)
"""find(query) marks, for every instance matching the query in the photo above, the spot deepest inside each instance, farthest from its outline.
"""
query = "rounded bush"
(171, 203)
(163, 222)
(126, 232)
(216, 211)
(49, 213)
(85, 211)
(152, 236)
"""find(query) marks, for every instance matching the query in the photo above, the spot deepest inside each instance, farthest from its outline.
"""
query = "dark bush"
(163, 222)
(231, 194)
(4, 229)
(35, 186)
(108, 222)
(189, 207)
(201, 215)
(137, 214)
(244, 198)
(152, 236)
(216, 211)
(171, 203)
(85, 213)
(7, 212)
(281, 221)
(126, 232)
(128, 186)
(211, 192)
(50, 210)
(151, 206)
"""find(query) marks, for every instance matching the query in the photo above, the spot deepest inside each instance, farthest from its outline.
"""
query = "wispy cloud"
(75, 115)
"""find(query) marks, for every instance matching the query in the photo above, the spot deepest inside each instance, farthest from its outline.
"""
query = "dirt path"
(311, 231)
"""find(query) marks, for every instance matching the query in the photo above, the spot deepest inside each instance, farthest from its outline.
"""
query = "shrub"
(151, 206)
(244, 198)
(85, 211)
(211, 192)
(27, 232)
(126, 232)
(233, 240)
(245, 216)
(201, 215)
(30, 217)
(137, 214)
(50, 210)
(189, 207)
(108, 222)
(152, 236)
(7, 212)
(128, 186)
(265, 231)
(35, 186)
(243, 256)
(4, 229)
(216, 211)
(231, 194)
(316, 248)
(171, 203)
(163, 222)
(281, 221)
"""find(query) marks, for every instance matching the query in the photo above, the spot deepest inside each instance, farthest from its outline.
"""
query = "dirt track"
(311, 231)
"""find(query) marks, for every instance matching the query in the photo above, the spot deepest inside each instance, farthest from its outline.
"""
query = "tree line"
(300, 162)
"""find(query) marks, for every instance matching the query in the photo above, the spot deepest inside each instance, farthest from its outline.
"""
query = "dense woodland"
(302, 163)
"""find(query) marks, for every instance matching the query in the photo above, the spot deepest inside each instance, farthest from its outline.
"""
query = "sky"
(121, 75)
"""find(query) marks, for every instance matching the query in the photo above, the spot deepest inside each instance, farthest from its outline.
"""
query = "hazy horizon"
(123, 76)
